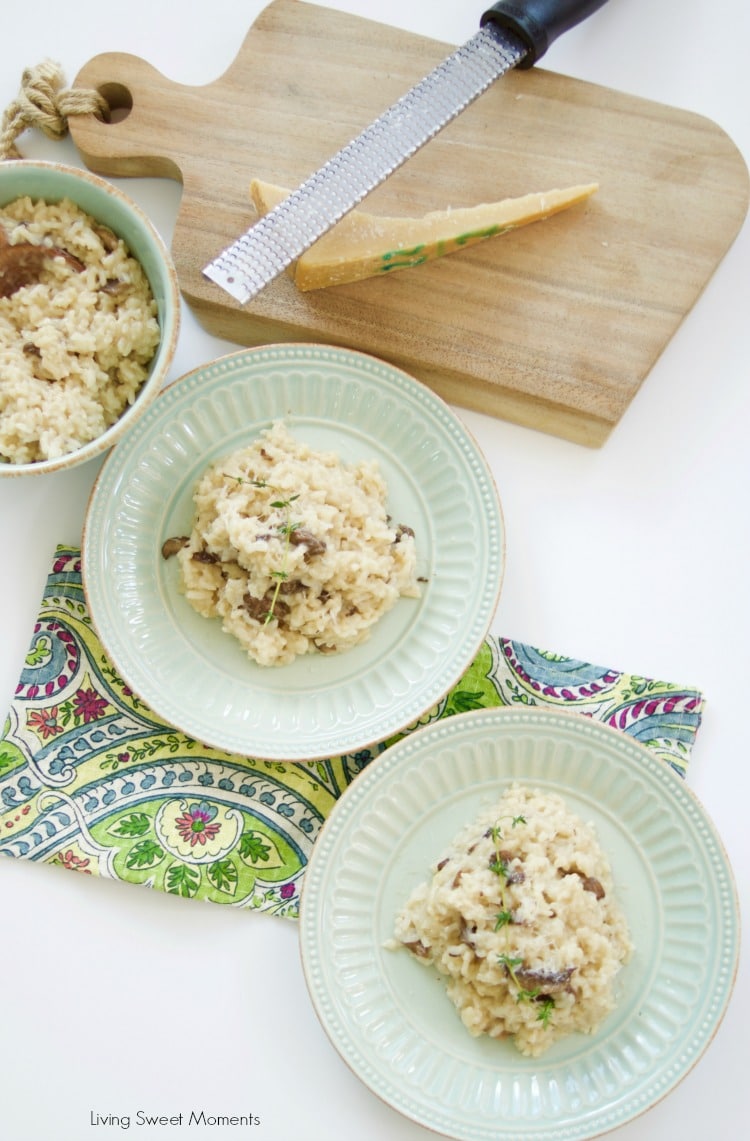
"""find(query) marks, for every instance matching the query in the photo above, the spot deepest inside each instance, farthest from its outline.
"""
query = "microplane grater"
(512, 34)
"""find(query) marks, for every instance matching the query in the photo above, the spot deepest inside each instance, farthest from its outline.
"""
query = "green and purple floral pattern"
(92, 780)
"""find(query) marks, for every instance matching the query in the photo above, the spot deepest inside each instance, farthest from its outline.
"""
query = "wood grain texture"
(554, 326)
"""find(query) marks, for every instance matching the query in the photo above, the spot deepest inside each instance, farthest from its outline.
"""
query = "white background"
(634, 555)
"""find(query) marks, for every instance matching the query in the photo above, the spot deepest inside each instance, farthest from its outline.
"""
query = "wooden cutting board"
(554, 326)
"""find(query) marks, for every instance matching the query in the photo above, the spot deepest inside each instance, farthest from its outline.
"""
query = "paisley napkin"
(92, 780)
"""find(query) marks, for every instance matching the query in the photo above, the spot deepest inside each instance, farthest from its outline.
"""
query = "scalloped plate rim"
(241, 368)
(343, 845)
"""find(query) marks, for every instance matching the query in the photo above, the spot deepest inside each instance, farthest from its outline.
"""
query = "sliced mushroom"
(22, 264)
(172, 545)
(114, 287)
(292, 586)
(515, 875)
(322, 648)
(592, 884)
(418, 948)
(107, 237)
(260, 608)
(301, 537)
(549, 982)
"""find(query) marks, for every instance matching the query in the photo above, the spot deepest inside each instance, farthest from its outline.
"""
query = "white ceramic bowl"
(108, 205)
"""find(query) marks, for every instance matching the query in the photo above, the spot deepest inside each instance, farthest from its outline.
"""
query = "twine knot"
(42, 102)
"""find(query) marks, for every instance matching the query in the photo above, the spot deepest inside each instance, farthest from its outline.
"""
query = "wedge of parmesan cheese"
(365, 245)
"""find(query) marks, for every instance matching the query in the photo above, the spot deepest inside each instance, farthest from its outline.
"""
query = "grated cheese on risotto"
(294, 550)
(76, 340)
(520, 916)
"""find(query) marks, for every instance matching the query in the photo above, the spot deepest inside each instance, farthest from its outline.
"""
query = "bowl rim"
(169, 316)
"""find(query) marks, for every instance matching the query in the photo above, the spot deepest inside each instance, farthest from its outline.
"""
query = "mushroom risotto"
(78, 329)
(293, 549)
(521, 917)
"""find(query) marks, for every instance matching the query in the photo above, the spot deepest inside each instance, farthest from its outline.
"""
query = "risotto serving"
(78, 329)
(521, 917)
(293, 550)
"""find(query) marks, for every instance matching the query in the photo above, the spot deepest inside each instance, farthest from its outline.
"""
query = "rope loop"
(43, 102)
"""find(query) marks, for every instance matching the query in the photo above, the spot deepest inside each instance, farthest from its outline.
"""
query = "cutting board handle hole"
(119, 100)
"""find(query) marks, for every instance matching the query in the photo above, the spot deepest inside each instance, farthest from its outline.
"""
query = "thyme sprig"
(504, 919)
(546, 1006)
(286, 529)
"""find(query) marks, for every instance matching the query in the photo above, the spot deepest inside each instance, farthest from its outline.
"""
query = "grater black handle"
(539, 22)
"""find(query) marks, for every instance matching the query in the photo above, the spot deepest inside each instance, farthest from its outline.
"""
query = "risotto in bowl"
(89, 316)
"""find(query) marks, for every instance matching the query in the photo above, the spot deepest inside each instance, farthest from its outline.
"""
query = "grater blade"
(264, 251)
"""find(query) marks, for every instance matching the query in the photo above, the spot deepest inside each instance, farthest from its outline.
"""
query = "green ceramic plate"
(389, 1017)
(199, 679)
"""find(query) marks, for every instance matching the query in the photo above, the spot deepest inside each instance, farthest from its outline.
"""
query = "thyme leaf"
(286, 528)
(546, 1006)
(504, 919)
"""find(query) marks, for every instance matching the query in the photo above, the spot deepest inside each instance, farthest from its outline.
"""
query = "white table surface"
(634, 555)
